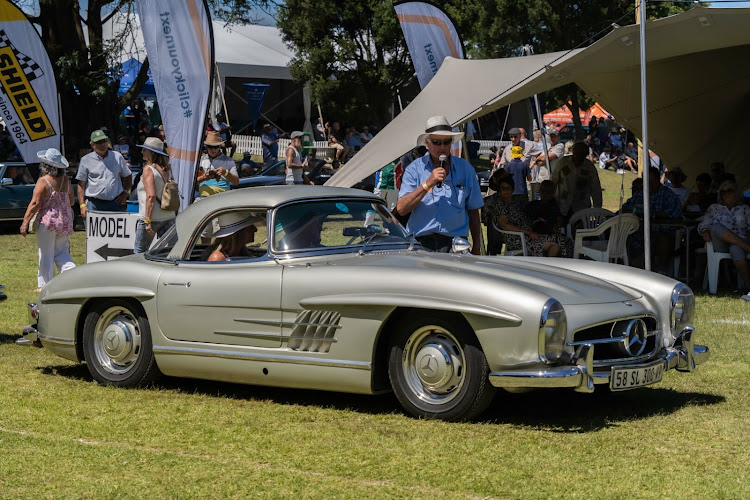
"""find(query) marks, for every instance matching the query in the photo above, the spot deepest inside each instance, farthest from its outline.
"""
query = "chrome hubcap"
(117, 340)
(433, 364)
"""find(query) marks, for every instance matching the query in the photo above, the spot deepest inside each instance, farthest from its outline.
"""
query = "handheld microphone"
(442, 165)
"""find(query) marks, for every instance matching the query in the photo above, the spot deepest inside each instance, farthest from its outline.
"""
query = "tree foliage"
(353, 55)
(85, 62)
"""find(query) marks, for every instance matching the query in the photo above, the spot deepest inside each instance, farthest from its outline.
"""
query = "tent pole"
(528, 50)
(644, 136)
(219, 81)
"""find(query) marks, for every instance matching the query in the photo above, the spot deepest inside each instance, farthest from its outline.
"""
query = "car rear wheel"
(438, 370)
(117, 344)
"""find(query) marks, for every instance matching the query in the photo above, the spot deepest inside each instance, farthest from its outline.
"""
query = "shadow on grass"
(374, 405)
(569, 411)
(551, 410)
(8, 338)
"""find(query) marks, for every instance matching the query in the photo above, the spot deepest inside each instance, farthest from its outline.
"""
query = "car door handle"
(187, 285)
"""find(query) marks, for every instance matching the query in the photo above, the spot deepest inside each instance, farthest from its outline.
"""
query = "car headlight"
(683, 308)
(553, 327)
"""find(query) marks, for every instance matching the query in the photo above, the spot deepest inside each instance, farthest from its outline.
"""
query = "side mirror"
(460, 245)
(6, 181)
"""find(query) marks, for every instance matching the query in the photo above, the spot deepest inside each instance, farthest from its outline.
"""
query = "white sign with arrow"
(109, 235)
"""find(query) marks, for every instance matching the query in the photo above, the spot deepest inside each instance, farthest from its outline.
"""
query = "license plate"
(622, 379)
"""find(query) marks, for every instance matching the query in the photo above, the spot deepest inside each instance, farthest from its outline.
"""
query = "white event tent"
(698, 91)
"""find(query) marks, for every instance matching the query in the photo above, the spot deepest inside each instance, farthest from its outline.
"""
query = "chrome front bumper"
(30, 335)
(582, 377)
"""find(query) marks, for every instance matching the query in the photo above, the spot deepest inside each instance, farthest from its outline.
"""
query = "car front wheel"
(438, 370)
(117, 344)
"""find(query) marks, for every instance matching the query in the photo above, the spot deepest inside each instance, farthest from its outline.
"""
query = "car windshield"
(164, 245)
(335, 223)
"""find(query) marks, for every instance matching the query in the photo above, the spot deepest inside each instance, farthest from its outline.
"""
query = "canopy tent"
(564, 115)
(249, 51)
(130, 69)
(698, 87)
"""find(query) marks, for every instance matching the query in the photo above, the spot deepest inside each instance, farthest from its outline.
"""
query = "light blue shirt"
(103, 176)
(445, 209)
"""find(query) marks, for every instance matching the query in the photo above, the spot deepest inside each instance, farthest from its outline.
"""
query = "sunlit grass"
(64, 436)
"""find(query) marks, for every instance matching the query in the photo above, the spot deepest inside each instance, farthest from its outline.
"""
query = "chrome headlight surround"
(682, 309)
(553, 329)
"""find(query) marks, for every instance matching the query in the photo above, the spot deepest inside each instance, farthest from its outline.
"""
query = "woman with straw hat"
(152, 219)
(52, 198)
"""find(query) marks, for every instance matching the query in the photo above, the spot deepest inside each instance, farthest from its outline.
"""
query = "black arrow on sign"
(105, 252)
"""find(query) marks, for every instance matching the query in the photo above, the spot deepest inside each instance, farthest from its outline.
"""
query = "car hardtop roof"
(268, 197)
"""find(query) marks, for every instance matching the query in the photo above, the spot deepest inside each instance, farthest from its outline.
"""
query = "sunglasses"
(725, 191)
(444, 142)
(103, 141)
(213, 147)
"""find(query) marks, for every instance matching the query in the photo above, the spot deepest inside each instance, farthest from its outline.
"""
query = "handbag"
(170, 195)
(34, 222)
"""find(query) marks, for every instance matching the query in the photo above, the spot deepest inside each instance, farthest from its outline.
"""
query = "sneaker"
(620, 171)
(746, 297)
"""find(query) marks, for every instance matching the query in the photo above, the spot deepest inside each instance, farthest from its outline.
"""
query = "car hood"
(514, 275)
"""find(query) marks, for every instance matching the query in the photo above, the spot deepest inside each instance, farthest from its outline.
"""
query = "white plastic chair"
(590, 218)
(620, 227)
(713, 263)
(522, 251)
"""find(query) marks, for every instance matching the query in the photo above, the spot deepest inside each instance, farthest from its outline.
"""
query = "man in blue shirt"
(444, 200)
(521, 173)
(270, 141)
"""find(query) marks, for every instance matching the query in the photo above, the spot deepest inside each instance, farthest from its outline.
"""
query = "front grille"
(610, 341)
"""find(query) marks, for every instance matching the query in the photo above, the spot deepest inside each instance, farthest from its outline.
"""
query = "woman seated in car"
(236, 231)
(510, 216)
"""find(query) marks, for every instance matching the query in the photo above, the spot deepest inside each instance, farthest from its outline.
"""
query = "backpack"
(170, 195)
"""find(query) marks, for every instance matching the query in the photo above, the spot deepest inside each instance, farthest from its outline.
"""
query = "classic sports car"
(316, 299)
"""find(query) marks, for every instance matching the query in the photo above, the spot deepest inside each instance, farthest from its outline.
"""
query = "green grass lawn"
(64, 436)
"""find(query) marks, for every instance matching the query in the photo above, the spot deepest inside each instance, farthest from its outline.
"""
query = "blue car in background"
(17, 183)
(16, 190)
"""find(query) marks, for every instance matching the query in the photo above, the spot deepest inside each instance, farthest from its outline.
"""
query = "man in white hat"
(442, 196)
(104, 179)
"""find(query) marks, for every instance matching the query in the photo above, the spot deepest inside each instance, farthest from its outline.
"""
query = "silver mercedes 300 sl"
(326, 291)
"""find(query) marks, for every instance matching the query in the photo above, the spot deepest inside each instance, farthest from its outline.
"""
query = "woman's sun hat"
(154, 144)
(234, 221)
(52, 157)
(438, 125)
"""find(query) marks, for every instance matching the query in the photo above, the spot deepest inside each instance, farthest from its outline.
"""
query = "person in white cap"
(442, 196)
(52, 198)
(295, 166)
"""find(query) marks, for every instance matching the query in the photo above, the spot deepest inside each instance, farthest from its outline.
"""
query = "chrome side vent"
(314, 331)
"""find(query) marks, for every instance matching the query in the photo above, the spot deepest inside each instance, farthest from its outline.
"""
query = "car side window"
(231, 236)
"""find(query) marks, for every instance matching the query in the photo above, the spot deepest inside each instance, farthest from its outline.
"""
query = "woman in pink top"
(52, 198)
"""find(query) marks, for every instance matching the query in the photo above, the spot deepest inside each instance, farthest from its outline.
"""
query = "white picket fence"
(253, 144)
(484, 146)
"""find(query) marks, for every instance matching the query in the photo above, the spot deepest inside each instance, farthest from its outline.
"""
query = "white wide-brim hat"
(154, 144)
(234, 221)
(52, 157)
(439, 125)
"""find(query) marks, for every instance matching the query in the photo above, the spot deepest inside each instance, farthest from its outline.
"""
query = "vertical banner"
(255, 93)
(28, 102)
(431, 37)
(179, 44)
